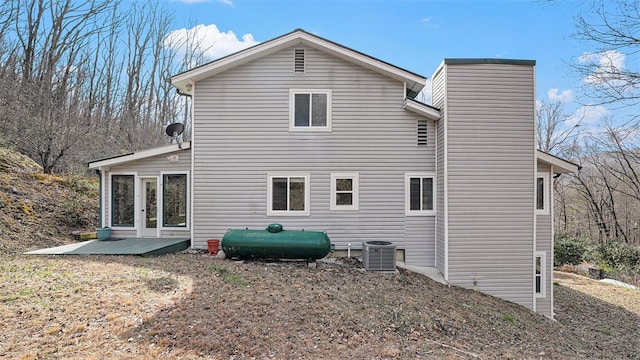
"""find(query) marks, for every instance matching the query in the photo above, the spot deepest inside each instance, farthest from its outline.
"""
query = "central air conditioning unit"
(379, 256)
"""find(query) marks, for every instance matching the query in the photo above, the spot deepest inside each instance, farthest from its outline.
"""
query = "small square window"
(420, 194)
(344, 191)
(310, 110)
(288, 194)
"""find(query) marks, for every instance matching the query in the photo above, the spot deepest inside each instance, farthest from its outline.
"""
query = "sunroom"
(146, 194)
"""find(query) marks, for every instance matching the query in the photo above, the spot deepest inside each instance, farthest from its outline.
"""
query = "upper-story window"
(542, 194)
(309, 110)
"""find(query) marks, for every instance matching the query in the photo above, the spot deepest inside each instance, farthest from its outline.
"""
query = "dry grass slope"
(40, 210)
(190, 306)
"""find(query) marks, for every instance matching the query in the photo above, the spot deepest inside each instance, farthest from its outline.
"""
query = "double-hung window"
(288, 194)
(309, 110)
(420, 194)
(344, 191)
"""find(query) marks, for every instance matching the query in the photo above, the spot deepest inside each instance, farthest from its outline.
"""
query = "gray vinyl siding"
(490, 165)
(241, 133)
(149, 167)
(438, 89)
(544, 242)
(420, 238)
(438, 100)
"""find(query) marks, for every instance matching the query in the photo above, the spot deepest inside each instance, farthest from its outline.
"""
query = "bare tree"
(613, 33)
(606, 191)
(552, 134)
(53, 38)
(80, 79)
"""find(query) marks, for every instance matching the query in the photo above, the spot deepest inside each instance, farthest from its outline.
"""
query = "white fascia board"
(415, 82)
(560, 166)
(438, 69)
(139, 155)
(421, 109)
(244, 56)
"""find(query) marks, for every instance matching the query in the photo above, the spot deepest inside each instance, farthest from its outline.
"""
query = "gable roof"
(423, 109)
(139, 155)
(560, 166)
(185, 80)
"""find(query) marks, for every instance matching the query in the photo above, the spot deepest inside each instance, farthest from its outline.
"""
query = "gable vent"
(422, 132)
(298, 60)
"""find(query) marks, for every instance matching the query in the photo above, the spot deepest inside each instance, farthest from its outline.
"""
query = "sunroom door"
(150, 207)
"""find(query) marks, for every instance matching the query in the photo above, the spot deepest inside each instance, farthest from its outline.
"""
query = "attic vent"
(298, 60)
(422, 132)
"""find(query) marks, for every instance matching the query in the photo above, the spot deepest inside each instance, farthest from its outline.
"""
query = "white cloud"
(587, 115)
(225, 2)
(606, 66)
(214, 43)
(428, 22)
(563, 97)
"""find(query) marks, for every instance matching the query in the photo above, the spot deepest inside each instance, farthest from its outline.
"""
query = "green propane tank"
(276, 243)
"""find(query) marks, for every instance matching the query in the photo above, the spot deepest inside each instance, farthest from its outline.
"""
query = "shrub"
(618, 259)
(78, 205)
(569, 251)
(619, 255)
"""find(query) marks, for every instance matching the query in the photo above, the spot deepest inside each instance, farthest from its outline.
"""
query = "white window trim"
(136, 197)
(547, 193)
(407, 194)
(161, 201)
(307, 186)
(292, 115)
(355, 178)
(543, 274)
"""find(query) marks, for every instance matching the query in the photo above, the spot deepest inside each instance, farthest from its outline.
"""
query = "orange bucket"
(214, 245)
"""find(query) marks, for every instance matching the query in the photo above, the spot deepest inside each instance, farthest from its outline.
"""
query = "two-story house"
(302, 131)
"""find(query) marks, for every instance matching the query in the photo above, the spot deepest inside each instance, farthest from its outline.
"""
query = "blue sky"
(415, 35)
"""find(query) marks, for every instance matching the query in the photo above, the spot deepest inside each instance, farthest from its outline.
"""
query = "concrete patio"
(127, 246)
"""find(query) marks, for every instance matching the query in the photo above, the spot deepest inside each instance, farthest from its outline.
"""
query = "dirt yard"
(188, 306)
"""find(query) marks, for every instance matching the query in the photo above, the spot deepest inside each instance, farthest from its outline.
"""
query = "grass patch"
(235, 279)
(227, 276)
(508, 317)
(606, 331)
(17, 295)
(220, 270)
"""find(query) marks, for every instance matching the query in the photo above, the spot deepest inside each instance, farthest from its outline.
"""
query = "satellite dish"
(175, 129)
